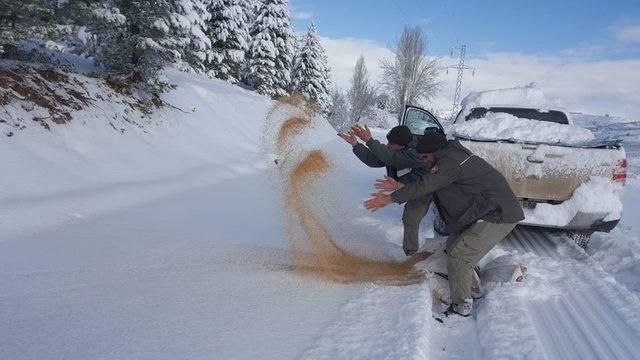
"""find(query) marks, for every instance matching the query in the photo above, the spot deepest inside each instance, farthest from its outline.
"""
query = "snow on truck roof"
(516, 126)
(506, 127)
(519, 97)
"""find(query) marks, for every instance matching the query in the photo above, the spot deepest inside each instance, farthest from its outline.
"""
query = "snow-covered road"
(568, 308)
(164, 279)
(186, 276)
(572, 305)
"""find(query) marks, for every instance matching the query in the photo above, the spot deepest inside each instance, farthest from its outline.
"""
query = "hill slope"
(108, 152)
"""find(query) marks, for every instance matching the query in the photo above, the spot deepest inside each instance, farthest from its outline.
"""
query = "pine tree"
(252, 8)
(228, 30)
(23, 20)
(129, 39)
(310, 75)
(271, 49)
(187, 40)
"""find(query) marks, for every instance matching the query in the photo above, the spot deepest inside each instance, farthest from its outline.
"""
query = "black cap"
(400, 135)
(431, 142)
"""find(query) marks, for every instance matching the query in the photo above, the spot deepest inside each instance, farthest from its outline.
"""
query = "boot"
(463, 309)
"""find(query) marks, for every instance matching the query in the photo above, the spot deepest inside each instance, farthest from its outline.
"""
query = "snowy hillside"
(110, 154)
(221, 227)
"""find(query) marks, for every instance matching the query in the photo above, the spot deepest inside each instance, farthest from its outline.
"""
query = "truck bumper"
(581, 221)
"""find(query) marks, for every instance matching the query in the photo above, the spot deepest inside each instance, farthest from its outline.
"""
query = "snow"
(111, 16)
(76, 175)
(360, 326)
(379, 118)
(506, 127)
(171, 244)
(607, 202)
(168, 240)
(618, 252)
(525, 96)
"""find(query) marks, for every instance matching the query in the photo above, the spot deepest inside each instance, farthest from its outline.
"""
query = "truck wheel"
(439, 225)
(580, 237)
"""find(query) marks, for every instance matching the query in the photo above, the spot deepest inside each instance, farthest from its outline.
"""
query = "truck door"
(418, 120)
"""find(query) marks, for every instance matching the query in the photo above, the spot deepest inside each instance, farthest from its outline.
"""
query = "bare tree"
(339, 110)
(411, 77)
(362, 96)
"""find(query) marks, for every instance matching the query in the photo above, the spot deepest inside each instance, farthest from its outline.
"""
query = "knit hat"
(430, 142)
(400, 135)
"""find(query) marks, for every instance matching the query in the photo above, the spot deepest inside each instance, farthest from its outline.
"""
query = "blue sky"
(539, 26)
(585, 54)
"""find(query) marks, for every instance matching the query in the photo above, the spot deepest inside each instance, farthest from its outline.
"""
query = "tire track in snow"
(587, 315)
(568, 308)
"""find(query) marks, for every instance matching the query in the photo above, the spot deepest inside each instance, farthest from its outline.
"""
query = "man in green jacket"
(396, 155)
(473, 198)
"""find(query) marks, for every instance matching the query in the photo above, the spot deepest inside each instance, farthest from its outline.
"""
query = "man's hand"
(361, 132)
(388, 184)
(350, 138)
(378, 201)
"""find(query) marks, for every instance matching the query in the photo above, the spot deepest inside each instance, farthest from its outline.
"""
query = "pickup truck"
(544, 177)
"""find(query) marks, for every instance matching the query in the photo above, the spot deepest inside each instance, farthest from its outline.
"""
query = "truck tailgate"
(546, 172)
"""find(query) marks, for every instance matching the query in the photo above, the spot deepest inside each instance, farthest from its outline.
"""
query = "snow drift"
(606, 202)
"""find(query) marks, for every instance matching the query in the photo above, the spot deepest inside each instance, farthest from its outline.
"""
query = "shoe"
(410, 252)
(463, 309)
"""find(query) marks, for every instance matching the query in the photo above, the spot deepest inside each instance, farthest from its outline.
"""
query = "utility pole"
(461, 67)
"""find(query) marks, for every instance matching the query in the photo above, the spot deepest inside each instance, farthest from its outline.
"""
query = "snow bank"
(607, 202)
(381, 323)
(503, 126)
(110, 156)
(526, 96)
(618, 251)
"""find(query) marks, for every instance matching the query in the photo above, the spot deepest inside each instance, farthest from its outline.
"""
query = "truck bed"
(548, 173)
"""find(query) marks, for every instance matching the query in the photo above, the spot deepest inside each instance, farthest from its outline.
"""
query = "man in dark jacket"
(397, 155)
(473, 198)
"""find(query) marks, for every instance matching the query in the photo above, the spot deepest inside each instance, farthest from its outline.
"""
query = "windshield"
(532, 114)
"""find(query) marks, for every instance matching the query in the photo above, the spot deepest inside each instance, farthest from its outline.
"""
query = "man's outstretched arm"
(367, 157)
(402, 193)
(361, 151)
(397, 159)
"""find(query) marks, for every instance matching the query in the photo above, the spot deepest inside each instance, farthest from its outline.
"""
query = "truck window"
(532, 114)
(418, 121)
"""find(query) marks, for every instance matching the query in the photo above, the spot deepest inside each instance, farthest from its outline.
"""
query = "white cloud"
(598, 87)
(343, 53)
(627, 33)
(302, 15)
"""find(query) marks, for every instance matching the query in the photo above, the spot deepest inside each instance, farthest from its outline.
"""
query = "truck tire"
(580, 237)
(439, 226)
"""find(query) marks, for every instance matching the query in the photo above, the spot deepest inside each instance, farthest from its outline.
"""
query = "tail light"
(620, 171)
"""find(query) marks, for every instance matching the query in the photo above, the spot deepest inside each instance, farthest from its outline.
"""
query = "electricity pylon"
(461, 67)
